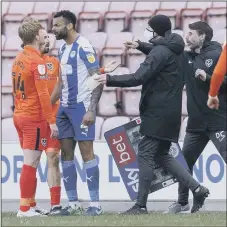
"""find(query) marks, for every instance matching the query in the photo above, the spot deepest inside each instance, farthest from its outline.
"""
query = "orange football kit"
(33, 107)
(52, 64)
(218, 74)
(32, 113)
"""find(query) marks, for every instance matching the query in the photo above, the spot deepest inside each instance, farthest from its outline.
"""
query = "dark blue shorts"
(69, 122)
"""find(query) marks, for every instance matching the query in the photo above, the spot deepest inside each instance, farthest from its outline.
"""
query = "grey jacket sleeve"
(152, 65)
(144, 47)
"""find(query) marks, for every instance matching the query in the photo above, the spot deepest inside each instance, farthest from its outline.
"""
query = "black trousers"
(194, 144)
(152, 152)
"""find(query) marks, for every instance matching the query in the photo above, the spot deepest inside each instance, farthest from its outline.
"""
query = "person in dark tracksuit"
(160, 110)
(204, 124)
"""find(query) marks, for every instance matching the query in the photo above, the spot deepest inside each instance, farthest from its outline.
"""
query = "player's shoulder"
(52, 59)
(28, 60)
(36, 58)
(85, 44)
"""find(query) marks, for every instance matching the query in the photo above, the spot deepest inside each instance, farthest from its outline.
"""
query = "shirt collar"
(32, 49)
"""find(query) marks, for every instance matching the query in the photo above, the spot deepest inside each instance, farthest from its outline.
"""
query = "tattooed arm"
(89, 117)
(96, 93)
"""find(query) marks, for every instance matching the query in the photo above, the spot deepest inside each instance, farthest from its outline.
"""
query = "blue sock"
(92, 171)
(70, 180)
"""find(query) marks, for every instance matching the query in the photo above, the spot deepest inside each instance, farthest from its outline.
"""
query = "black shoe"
(136, 210)
(58, 211)
(199, 198)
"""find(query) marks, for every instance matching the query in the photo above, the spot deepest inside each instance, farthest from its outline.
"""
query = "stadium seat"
(172, 14)
(216, 17)
(57, 45)
(52, 40)
(98, 40)
(17, 12)
(7, 103)
(184, 111)
(46, 7)
(138, 21)
(219, 4)
(179, 32)
(116, 19)
(113, 122)
(220, 36)
(43, 11)
(75, 7)
(5, 7)
(114, 49)
(107, 103)
(3, 41)
(91, 19)
(11, 24)
(200, 5)
(89, 22)
(130, 99)
(134, 59)
(189, 16)
(9, 132)
(183, 129)
(100, 7)
(124, 6)
(12, 46)
(149, 5)
(115, 22)
(21, 8)
(98, 126)
(178, 6)
(6, 71)
(111, 96)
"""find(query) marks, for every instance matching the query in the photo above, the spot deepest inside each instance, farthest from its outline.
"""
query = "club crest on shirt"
(174, 151)
(73, 54)
(91, 58)
(208, 63)
(41, 69)
(50, 66)
(44, 142)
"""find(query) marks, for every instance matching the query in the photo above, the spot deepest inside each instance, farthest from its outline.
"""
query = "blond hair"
(28, 30)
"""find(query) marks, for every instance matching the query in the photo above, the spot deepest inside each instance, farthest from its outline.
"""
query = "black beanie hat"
(160, 24)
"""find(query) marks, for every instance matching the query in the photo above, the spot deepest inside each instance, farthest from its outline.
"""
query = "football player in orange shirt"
(217, 79)
(33, 110)
(53, 146)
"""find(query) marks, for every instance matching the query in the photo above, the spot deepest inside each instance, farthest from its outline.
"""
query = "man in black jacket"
(204, 124)
(160, 110)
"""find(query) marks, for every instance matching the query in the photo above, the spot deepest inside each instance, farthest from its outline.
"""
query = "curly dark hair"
(68, 15)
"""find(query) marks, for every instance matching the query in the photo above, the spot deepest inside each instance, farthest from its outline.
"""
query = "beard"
(46, 50)
(62, 35)
(193, 45)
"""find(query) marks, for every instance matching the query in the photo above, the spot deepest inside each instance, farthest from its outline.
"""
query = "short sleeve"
(89, 56)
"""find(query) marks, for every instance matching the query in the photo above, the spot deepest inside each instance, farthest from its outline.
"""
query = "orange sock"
(55, 194)
(28, 174)
(32, 200)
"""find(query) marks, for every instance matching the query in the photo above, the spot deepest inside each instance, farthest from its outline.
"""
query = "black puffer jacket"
(162, 83)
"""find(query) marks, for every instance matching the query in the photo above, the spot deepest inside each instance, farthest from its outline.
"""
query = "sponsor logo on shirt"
(41, 69)
(91, 58)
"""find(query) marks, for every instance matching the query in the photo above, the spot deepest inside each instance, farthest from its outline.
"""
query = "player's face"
(194, 40)
(44, 41)
(60, 28)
